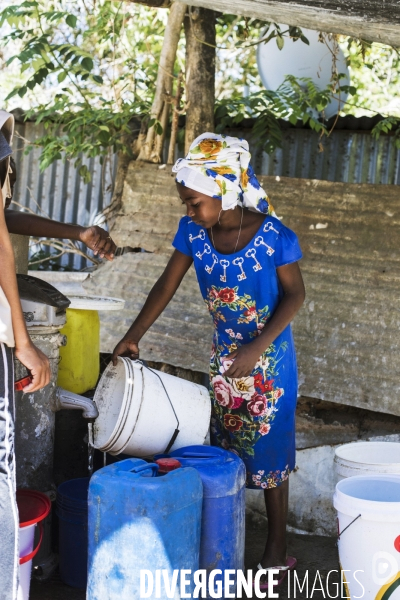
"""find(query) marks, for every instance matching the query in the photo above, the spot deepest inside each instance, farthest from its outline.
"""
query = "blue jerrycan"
(142, 529)
(223, 475)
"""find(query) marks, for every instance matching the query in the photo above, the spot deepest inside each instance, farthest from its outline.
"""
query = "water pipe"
(63, 399)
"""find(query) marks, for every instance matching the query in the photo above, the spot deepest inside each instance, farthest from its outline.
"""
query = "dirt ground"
(315, 554)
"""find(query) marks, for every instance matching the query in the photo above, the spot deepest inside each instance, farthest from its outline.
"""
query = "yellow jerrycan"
(79, 367)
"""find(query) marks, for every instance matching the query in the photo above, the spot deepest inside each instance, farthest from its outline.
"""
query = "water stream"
(90, 449)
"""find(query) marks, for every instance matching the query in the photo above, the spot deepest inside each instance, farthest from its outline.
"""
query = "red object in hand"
(22, 383)
(168, 464)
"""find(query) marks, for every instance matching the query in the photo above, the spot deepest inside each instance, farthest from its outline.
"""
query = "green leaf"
(280, 42)
(97, 79)
(61, 76)
(83, 170)
(13, 93)
(87, 63)
(71, 20)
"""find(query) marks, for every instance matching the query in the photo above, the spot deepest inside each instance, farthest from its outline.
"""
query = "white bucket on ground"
(26, 539)
(33, 507)
(369, 550)
(136, 416)
(364, 458)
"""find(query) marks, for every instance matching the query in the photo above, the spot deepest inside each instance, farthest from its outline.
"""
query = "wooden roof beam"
(366, 19)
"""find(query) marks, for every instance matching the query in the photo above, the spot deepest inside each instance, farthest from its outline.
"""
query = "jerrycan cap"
(168, 464)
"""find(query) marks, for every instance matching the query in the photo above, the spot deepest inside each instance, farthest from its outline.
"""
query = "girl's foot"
(288, 565)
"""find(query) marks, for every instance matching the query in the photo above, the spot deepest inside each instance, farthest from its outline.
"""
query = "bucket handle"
(342, 532)
(176, 432)
(32, 554)
(147, 467)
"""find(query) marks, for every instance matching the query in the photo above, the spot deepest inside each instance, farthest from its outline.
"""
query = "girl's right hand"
(127, 348)
(37, 363)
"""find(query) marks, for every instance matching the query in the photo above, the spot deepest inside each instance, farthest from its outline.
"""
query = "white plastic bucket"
(33, 507)
(139, 409)
(365, 458)
(368, 508)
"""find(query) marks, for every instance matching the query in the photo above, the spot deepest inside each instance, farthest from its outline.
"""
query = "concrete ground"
(315, 554)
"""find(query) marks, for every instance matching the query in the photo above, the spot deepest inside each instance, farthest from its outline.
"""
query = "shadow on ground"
(316, 556)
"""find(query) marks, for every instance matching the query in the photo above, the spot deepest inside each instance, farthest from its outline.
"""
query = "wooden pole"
(200, 72)
(175, 119)
(164, 81)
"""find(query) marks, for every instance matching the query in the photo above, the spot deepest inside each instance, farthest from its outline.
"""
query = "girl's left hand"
(244, 361)
(98, 240)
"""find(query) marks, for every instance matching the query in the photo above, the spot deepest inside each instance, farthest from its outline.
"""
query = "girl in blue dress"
(246, 264)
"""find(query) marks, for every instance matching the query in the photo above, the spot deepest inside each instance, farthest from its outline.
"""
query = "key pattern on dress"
(252, 416)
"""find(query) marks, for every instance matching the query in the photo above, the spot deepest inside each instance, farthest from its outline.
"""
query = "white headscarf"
(219, 166)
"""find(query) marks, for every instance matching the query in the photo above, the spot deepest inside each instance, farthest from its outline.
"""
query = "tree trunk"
(164, 82)
(366, 19)
(200, 72)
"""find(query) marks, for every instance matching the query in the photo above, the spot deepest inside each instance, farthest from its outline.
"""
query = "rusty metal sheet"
(150, 210)
(181, 337)
(347, 333)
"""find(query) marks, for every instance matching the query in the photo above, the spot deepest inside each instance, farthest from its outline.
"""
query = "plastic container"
(365, 458)
(139, 409)
(138, 522)
(369, 507)
(223, 475)
(33, 508)
(79, 366)
(72, 511)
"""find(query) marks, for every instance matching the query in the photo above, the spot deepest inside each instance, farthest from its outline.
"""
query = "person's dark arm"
(247, 355)
(158, 298)
(95, 238)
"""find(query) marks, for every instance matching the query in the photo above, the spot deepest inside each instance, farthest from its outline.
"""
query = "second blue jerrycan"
(139, 525)
(223, 475)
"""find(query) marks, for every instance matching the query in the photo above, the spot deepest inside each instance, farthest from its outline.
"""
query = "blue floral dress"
(252, 416)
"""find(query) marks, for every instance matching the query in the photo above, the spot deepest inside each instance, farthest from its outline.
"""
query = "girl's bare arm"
(25, 351)
(294, 294)
(158, 298)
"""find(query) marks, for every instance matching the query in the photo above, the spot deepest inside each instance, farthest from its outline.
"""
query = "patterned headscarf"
(219, 166)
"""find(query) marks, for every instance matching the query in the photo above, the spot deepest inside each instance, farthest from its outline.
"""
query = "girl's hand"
(127, 348)
(244, 361)
(98, 240)
(38, 365)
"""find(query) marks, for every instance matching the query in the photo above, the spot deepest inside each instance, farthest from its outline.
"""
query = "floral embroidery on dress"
(253, 399)
(271, 479)
(244, 407)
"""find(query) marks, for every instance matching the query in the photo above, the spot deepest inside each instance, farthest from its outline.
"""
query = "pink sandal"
(291, 563)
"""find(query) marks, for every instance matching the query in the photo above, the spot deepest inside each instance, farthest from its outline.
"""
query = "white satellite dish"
(302, 60)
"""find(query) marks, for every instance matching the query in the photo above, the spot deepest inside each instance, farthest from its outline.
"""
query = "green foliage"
(296, 99)
(237, 39)
(375, 74)
(87, 70)
(388, 125)
(97, 63)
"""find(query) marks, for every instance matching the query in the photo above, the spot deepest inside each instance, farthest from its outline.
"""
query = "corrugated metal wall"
(59, 192)
(346, 333)
(347, 156)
